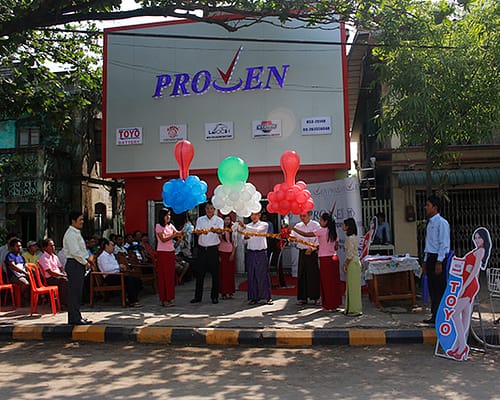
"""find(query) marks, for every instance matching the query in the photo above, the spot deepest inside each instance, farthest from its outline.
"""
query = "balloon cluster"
(289, 196)
(188, 191)
(235, 194)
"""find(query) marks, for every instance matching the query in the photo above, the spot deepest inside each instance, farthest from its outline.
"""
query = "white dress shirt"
(257, 242)
(312, 226)
(211, 238)
(107, 262)
(74, 245)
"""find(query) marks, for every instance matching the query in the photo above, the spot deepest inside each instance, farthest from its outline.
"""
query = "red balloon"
(301, 197)
(301, 184)
(296, 208)
(271, 196)
(290, 162)
(308, 205)
(184, 153)
(272, 208)
(283, 211)
(279, 196)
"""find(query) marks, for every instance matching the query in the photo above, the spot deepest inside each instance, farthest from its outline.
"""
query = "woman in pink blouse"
(331, 287)
(165, 266)
(227, 264)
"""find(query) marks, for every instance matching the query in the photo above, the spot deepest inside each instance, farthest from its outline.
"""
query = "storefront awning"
(452, 176)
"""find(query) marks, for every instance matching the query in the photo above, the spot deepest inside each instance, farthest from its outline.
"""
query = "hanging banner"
(340, 198)
(455, 310)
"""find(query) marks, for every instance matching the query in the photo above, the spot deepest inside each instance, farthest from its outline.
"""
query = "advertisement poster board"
(455, 309)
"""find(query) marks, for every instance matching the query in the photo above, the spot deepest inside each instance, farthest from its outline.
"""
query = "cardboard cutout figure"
(455, 310)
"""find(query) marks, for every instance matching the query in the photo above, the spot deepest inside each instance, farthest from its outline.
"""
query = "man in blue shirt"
(383, 234)
(437, 246)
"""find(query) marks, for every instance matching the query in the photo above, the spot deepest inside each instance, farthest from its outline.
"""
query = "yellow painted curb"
(358, 337)
(222, 336)
(27, 333)
(429, 336)
(89, 333)
(154, 334)
(294, 338)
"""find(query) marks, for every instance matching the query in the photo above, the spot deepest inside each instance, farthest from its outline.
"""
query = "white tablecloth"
(389, 264)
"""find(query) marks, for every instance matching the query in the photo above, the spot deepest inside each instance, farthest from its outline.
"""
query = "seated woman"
(108, 263)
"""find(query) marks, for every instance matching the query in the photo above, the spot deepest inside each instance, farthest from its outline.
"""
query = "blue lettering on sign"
(184, 85)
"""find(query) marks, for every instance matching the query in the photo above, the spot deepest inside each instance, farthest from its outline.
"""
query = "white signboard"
(266, 128)
(219, 130)
(259, 74)
(316, 126)
(126, 136)
(173, 133)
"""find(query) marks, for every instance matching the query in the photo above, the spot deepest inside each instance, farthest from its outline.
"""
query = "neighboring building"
(44, 177)
(394, 177)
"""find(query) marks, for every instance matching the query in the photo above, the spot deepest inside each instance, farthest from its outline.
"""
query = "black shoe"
(215, 300)
(195, 301)
(83, 321)
(431, 321)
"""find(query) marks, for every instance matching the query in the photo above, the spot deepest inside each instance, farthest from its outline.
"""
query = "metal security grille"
(466, 210)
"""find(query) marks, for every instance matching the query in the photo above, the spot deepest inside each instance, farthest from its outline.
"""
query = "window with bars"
(29, 136)
(467, 210)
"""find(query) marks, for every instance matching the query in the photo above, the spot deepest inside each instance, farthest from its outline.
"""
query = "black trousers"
(308, 280)
(133, 285)
(208, 261)
(76, 276)
(437, 282)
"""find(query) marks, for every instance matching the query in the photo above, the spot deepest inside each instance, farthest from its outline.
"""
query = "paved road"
(35, 370)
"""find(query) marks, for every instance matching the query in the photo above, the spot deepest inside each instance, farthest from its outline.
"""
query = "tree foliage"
(440, 67)
(30, 47)
(18, 16)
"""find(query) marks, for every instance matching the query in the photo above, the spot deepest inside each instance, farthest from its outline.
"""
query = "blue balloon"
(183, 195)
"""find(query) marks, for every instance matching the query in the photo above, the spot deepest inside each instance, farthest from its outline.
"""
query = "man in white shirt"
(107, 262)
(308, 282)
(208, 254)
(259, 281)
(76, 264)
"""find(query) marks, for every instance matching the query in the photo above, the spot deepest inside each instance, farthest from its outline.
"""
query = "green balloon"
(232, 169)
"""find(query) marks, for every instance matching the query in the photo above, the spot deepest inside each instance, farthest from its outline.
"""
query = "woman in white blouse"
(352, 269)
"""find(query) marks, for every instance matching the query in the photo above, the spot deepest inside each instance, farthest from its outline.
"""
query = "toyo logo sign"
(183, 84)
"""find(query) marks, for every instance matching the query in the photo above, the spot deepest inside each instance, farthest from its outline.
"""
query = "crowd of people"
(318, 281)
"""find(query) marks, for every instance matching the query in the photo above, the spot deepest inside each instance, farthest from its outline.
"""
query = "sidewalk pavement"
(230, 322)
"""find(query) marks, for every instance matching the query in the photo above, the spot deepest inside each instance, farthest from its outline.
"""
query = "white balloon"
(218, 202)
(234, 196)
(250, 188)
(245, 195)
(255, 207)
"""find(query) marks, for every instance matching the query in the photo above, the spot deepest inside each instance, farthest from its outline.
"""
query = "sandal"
(270, 302)
(301, 302)
(252, 302)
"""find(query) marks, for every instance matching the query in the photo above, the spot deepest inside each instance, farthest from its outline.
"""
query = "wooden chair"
(38, 289)
(97, 284)
(9, 287)
(147, 273)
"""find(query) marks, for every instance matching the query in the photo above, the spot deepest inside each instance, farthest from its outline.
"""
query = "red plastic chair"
(38, 289)
(7, 286)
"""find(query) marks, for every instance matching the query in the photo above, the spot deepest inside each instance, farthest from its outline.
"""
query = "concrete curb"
(218, 336)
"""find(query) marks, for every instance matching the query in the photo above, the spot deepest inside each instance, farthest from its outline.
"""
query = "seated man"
(31, 255)
(53, 270)
(16, 267)
(108, 263)
(181, 268)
